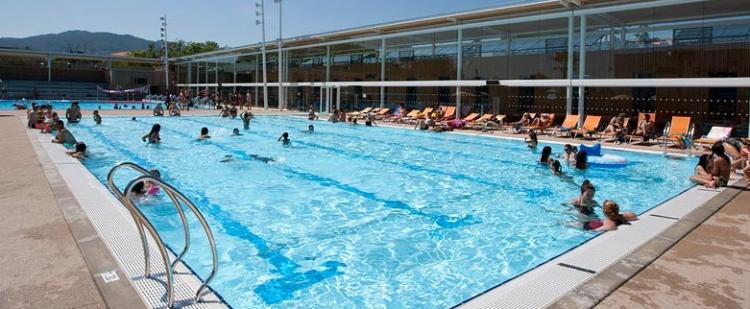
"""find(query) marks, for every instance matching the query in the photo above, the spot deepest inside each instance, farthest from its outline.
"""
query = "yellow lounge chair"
(678, 128)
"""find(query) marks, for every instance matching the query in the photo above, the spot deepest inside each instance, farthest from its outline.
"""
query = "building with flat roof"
(672, 57)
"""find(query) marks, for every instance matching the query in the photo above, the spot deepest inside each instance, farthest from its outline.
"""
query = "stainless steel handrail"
(120, 195)
(176, 196)
(152, 230)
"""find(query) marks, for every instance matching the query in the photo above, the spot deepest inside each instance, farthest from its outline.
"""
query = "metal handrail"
(152, 230)
(176, 196)
(120, 195)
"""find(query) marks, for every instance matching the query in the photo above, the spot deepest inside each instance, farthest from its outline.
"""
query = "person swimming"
(97, 117)
(147, 187)
(569, 153)
(153, 136)
(246, 116)
(612, 218)
(585, 202)
(204, 134)
(236, 132)
(531, 140)
(546, 153)
(310, 129)
(79, 152)
(284, 138)
(582, 160)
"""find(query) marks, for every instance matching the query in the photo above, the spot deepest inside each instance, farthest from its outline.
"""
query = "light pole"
(282, 94)
(165, 43)
(262, 21)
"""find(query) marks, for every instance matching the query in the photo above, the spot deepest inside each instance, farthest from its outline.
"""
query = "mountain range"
(77, 41)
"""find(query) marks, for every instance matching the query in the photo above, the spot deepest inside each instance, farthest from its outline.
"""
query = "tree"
(177, 48)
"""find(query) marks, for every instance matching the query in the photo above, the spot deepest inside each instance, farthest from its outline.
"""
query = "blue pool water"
(61, 105)
(352, 217)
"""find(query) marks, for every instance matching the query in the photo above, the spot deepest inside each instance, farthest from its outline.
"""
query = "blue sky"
(229, 22)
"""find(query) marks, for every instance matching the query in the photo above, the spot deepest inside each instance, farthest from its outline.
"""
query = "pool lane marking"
(441, 220)
(271, 291)
(531, 192)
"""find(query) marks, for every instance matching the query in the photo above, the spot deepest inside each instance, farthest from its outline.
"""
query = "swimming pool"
(62, 105)
(365, 217)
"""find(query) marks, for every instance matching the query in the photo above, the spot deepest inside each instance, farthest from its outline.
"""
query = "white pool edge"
(116, 228)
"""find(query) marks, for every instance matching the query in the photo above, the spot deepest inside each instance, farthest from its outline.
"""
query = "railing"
(177, 198)
(687, 139)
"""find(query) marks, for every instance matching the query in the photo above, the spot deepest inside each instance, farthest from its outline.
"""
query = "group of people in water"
(713, 169)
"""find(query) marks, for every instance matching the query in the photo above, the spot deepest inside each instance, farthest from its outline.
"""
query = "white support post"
(263, 51)
(569, 75)
(206, 75)
(279, 65)
(234, 76)
(256, 80)
(216, 77)
(459, 65)
(197, 77)
(382, 73)
(582, 72)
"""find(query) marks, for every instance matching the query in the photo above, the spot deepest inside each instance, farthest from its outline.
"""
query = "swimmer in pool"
(204, 134)
(585, 202)
(284, 138)
(97, 117)
(153, 136)
(227, 158)
(236, 132)
(531, 140)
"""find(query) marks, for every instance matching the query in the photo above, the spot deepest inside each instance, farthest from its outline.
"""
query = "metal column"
(382, 74)
(206, 73)
(216, 77)
(338, 98)
(256, 80)
(234, 76)
(569, 75)
(459, 64)
(49, 68)
(279, 65)
(190, 73)
(197, 77)
(582, 71)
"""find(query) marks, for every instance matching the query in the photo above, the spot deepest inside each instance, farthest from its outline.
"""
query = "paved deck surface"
(709, 268)
(40, 264)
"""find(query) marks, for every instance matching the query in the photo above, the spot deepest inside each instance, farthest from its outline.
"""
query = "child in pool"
(79, 152)
(97, 117)
(532, 140)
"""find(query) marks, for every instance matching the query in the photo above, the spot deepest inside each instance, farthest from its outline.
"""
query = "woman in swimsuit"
(582, 160)
(153, 136)
(531, 140)
(721, 169)
(585, 202)
(546, 152)
(702, 170)
(613, 217)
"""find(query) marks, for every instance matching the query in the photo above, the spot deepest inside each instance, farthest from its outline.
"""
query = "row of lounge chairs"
(678, 128)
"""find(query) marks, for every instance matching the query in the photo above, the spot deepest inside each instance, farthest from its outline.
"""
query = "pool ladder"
(687, 139)
(143, 225)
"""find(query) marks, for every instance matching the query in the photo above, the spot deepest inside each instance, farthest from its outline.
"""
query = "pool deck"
(50, 259)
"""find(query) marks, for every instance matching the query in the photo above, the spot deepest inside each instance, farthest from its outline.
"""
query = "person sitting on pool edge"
(702, 170)
(97, 117)
(158, 110)
(153, 136)
(531, 140)
(311, 115)
(63, 135)
(73, 113)
(721, 168)
(284, 138)
(204, 134)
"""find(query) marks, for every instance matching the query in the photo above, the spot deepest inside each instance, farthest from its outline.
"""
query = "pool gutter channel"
(108, 239)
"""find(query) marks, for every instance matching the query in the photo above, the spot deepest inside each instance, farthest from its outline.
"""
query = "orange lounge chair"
(569, 124)
(382, 113)
(590, 126)
(479, 122)
(471, 117)
(362, 112)
(449, 113)
(679, 127)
